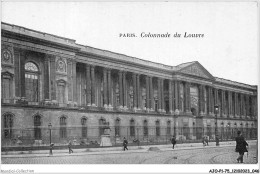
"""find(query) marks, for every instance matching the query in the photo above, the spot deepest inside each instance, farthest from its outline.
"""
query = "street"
(206, 155)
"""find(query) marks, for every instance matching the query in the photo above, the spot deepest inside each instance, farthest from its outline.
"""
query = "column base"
(176, 112)
(47, 102)
(188, 112)
(202, 114)
(22, 101)
(171, 112)
(75, 104)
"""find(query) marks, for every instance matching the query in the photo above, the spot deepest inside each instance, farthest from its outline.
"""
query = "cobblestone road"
(220, 155)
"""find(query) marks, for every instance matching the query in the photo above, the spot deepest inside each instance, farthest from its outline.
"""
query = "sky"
(229, 48)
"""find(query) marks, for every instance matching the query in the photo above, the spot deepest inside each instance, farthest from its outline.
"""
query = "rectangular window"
(156, 104)
(6, 88)
(132, 131)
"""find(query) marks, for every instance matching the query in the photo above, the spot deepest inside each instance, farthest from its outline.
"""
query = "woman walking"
(240, 146)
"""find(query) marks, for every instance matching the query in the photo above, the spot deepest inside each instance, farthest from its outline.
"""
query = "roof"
(83, 48)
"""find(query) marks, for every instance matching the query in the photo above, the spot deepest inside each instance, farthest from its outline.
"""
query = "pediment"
(196, 69)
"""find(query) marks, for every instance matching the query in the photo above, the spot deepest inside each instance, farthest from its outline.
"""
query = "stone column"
(121, 89)
(147, 93)
(17, 72)
(105, 87)
(201, 100)
(88, 85)
(162, 93)
(46, 78)
(223, 111)
(177, 96)
(229, 103)
(74, 82)
(216, 99)
(138, 91)
(213, 100)
(22, 74)
(247, 105)
(170, 97)
(109, 88)
(159, 95)
(187, 85)
(242, 105)
(209, 100)
(236, 104)
(125, 93)
(93, 86)
(134, 91)
(151, 94)
(255, 107)
(53, 78)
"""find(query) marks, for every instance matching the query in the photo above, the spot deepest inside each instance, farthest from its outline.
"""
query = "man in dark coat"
(206, 141)
(70, 147)
(125, 144)
(173, 140)
(240, 146)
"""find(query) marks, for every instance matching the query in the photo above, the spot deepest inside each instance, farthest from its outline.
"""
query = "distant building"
(80, 90)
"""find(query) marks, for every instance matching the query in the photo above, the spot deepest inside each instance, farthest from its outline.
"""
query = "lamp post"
(216, 126)
(50, 126)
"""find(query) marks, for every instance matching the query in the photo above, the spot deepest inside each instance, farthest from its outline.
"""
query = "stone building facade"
(79, 89)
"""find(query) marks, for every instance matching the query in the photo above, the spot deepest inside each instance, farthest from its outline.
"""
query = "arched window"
(117, 127)
(168, 131)
(132, 128)
(145, 128)
(63, 127)
(8, 125)
(37, 129)
(84, 127)
(157, 124)
(31, 82)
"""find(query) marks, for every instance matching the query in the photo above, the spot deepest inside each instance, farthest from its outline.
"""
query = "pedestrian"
(173, 140)
(51, 147)
(206, 141)
(125, 144)
(203, 141)
(70, 148)
(240, 146)
(217, 140)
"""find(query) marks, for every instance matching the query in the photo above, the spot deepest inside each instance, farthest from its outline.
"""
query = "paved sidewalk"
(114, 150)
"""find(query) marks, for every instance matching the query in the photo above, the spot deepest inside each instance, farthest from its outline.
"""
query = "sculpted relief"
(194, 70)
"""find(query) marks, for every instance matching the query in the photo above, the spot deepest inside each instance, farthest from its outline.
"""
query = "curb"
(145, 150)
